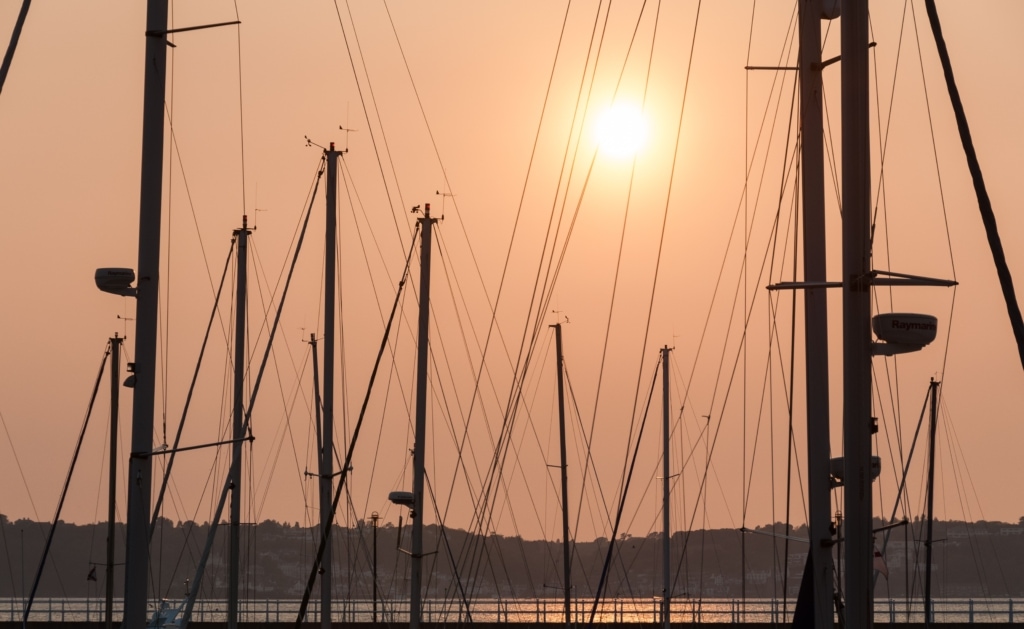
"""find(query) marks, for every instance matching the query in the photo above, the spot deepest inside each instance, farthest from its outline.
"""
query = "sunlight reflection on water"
(639, 610)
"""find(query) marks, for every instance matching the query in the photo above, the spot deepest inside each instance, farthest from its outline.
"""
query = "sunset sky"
(487, 111)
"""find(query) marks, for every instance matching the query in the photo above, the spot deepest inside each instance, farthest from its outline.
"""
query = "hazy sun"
(621, 130)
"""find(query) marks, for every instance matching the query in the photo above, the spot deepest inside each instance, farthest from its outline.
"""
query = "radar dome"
(904, 328)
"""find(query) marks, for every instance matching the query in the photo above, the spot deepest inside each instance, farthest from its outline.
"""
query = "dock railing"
(534, 611)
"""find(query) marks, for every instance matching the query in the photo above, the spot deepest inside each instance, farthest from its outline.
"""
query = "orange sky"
(70, 120)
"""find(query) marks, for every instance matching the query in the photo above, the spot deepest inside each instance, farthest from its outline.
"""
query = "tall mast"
(815, 313)
(419, 447)
(857, 421)
(140, 466)
(327, 430)
(934, 421)
(566, 562)
(115, 393)
(666, 577)
(238, 419)
(375, 517)
(318, 417)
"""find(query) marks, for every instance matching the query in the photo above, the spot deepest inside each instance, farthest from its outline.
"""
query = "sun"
(621, 130)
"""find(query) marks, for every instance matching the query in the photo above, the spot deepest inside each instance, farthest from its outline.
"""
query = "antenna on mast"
(347, 131)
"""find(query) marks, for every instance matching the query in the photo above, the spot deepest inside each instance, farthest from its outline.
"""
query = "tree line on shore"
(980, 559)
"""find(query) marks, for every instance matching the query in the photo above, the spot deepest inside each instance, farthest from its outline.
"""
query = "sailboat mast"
(115, 393)
(318, 417)
(327, 429)
(566, 562)
(237, 423)
(934, 421)
(666, 598)
(815, 313)
(857, 421)
(419, 447)
(140, 466)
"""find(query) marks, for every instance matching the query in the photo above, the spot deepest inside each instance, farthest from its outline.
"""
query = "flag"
(92, 574)
(879, 563)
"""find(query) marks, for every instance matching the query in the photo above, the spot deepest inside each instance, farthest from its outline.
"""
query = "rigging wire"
(175, 150)
(158, 508)
(268, 471)
(461, 586)
(524, 356)
(270, 465)
(745, 307)
(241, 109)
(366, 116)
(246, 424)
(21, 470)
(736, 361)
(463, 441)
(554, 265)
(164, 319)
(355, 202)
(881, 204)
(369, 86)
(963, 479)
(790, 436)
(750, 164)
(166, 477)
(587, 465)
(945, 215)
(625, 218)
(984, 203)
(444, 173)
(326, 526)
(942, 197)
(492, 325)
(12, 46)
(544, 293)
(273, 328)
(67, 484)
(251, 505)
(484, 516)
(622, 502)
(745, 200)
